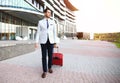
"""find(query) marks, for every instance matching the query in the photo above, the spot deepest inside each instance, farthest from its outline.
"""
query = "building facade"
(19, 18)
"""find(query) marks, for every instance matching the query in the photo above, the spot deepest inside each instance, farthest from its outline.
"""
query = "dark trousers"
(47, 49)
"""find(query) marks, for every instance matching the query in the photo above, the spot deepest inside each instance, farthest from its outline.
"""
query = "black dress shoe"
(50, 71)
(44, 75)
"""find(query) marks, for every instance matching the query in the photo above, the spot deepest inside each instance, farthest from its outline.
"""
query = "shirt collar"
(47, 19)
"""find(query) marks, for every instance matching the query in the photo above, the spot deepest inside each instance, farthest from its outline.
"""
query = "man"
(46, 35)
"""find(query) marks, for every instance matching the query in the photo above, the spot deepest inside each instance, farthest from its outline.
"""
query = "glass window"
(0, 16)
(11, 26)
(41, 8)
(32, 1)
(17, 4)
(3, 17)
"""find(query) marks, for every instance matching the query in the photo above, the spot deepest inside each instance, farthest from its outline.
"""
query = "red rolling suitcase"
(57, 58)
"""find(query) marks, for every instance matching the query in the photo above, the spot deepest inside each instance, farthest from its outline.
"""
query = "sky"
(97, 15)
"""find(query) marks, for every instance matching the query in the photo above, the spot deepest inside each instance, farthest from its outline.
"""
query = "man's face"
(48, 14)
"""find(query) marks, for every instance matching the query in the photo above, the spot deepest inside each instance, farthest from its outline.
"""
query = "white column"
(64, 25)
(91, 35)
(53, 15)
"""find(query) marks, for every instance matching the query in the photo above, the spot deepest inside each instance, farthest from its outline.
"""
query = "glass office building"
(19, 18)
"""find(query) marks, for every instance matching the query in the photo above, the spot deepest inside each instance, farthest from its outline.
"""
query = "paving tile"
(84, 62)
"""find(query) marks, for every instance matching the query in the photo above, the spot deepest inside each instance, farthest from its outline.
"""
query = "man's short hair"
(46, 10)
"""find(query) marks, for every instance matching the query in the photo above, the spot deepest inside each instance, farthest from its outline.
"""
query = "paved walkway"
(14, 42)
(84, 62)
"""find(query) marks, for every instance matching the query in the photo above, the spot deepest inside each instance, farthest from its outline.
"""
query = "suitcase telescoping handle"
(57, 49)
